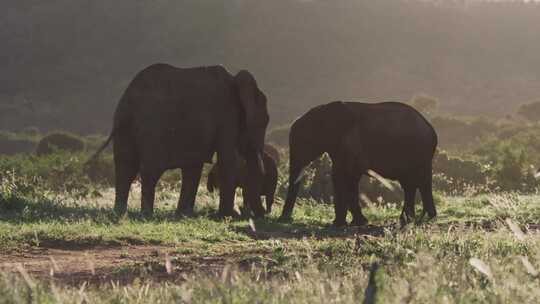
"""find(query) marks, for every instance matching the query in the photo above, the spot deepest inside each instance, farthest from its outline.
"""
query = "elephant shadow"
(28, 212)
(272, 228)
(268, 228)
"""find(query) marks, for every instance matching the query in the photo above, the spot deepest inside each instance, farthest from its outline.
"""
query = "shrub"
(511, 174)
(93, 142)
(279, 135)
(59, 172)
(531, 111)
(454, 175)
(31, 132)
(317, 184)
(425, 104)
(14, 188)
(10, 146)
(273, 152)
(59, 141)
(101, 170)
(320, 186)
(461, 134)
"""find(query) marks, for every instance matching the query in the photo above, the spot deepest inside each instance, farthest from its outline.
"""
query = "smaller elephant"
(269, 182)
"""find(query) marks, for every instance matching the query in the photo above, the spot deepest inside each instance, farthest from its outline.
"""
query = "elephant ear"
(252, 99)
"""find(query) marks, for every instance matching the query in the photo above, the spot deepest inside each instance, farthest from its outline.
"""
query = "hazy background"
(65, 63)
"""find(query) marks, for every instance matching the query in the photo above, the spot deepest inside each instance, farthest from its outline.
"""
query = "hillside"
(65, 63)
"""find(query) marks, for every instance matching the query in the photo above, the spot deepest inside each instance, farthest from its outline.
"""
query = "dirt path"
(69, 264)
(100, 264)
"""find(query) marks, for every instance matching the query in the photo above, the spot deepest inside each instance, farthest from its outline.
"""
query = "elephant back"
(177, 114)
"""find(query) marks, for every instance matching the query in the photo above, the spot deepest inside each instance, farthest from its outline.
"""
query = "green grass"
(305, 261)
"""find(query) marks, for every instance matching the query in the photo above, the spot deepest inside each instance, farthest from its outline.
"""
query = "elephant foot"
(358, 222)
(245, 212)
(285, 219)
(339, 224)
(184, 212)
(405, 219)
(148, 214)
(224, 214)
(430, 215)
(120, 210)
(258, 215)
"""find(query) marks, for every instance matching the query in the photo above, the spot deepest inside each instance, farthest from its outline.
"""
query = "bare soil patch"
(105, 264)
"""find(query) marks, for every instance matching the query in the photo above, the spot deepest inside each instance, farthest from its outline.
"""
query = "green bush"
(279, 136)
(510, 172)
(317, 184)
(424, 104)
(14, 188)
(531, 111)
(457, 133)
(320, 184)
(16, 146)
(101, 170)
(454, 175)
(94, 142)
(512, 159)
(31, 132)
(59, 141)
(59, 172)
(13, 143)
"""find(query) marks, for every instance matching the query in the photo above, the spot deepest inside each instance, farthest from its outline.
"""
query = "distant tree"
(531, 111)
(424, 103)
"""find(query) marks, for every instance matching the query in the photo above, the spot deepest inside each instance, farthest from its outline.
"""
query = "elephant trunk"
(300, 155)
(294, 185)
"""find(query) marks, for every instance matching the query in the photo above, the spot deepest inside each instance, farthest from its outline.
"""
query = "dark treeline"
(65, 63)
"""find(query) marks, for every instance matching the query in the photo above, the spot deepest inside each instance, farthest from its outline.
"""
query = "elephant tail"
(103, 146)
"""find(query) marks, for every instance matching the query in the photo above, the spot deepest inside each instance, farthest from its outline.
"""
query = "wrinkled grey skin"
(172, 117)
(269, 183)
(390, 138)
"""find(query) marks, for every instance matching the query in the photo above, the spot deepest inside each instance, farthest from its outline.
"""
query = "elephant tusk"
(300, 176)
(260, 163)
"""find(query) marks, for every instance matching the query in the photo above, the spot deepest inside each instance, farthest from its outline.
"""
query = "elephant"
(390, 138)
(269, 185)
(170, 117)
(273, 152)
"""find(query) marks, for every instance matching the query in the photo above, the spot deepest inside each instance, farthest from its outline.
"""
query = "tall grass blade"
(482, 267)
(515, 229)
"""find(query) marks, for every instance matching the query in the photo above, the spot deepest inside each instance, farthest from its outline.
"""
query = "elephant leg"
(408, 213)
(227, 183)
(269, 200)
(245, 209)
(124, 175)
(126, 167)
(256, 207)
(354, 203)
(191, 176)
(426, 192)
(149, 180)
(340, 196)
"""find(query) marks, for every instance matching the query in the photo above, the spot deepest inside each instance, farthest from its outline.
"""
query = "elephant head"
(320, 130)
(253, 129)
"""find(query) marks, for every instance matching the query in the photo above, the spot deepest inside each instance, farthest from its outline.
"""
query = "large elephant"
(171, 117)
(390, 138)
(269, 184)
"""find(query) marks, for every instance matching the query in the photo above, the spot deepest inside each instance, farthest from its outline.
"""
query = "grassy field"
(58, 249)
